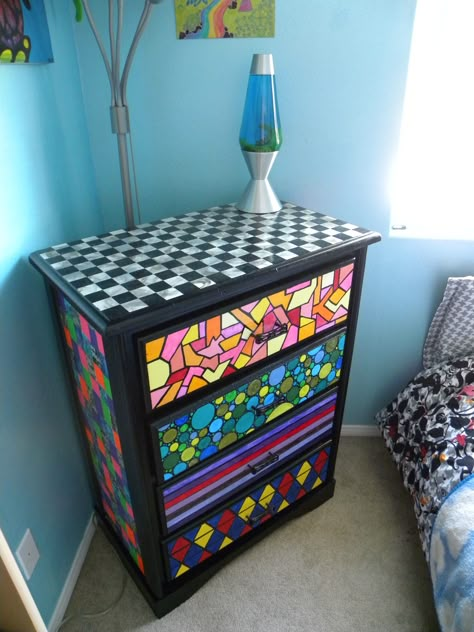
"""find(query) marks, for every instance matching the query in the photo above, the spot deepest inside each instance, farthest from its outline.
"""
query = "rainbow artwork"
(207, 351)
(202, 19)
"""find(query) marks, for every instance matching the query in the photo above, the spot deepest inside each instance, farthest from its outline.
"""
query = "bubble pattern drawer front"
(201, 432)
(208, 537)
(206, 351)
(185, 500)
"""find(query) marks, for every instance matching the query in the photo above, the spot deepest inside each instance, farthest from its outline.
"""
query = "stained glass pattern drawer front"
(198, 493)
(201, 432)
(206, 538)
(198, 355)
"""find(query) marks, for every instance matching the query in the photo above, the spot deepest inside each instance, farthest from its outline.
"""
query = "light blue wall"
(341, 68)
(47, 196)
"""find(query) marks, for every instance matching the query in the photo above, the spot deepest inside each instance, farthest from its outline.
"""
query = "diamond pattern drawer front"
(187, 499)
(208, 537)
(201, 432)
(198, 355)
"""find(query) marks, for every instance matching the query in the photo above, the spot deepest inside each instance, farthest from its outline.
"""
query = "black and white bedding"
(429, 430)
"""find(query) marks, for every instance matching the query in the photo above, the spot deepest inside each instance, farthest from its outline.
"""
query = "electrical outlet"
(27, 554)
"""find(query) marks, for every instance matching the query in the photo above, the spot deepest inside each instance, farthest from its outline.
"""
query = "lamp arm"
(131, 53)
(93, 26)
(113, 64)
(118, 46)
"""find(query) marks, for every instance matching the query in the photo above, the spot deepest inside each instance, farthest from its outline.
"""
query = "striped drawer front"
(208, 537)
(204, 352)
(186, 499)
(201, 432)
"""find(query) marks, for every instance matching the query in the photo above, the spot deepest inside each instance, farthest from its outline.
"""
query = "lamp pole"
(121, 127)
(118, 80)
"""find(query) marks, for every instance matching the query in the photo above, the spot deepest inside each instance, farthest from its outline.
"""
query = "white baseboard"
(353, 430)
(73, 575)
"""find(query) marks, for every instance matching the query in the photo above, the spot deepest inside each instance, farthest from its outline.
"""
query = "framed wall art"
(203, 19)
(24, 33)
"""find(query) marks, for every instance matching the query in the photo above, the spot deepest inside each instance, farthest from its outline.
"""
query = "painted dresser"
(209, 355)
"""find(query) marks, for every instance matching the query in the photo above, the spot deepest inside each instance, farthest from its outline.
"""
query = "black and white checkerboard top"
(122, 272)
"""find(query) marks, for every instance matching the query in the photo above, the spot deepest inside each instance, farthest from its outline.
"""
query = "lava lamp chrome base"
(259, 197)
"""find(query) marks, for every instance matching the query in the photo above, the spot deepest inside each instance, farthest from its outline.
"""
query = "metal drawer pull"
(271, 458)
(254, 520)
(262, 408)
(278, 329)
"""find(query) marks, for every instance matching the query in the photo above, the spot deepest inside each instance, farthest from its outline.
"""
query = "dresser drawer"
(199, 492)
(200, 432)
(207, 537)
(204, 352)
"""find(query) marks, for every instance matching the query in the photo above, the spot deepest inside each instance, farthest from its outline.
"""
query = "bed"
(429, 430)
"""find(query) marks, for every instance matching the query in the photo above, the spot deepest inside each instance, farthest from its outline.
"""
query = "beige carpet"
(353, 564)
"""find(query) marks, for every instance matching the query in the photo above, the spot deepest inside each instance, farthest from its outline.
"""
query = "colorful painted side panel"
(200, 433)
(224, 528)
(198, 493)
(89, 366)
(196, 356)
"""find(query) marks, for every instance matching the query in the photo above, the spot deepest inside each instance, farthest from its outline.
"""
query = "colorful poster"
(24, 34)
(202, 19)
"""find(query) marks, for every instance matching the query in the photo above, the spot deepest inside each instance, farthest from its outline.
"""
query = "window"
(433, 180)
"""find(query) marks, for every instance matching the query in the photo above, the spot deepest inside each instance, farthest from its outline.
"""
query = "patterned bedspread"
(429, 430)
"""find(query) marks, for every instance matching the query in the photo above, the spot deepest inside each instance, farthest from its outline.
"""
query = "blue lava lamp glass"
(261, 129)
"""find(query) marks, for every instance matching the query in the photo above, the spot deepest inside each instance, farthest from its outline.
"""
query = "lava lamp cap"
(262, 64)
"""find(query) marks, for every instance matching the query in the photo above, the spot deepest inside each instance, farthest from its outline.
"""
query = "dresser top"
(122, 273)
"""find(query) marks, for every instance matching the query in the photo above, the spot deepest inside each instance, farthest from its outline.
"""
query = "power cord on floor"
(101, 613)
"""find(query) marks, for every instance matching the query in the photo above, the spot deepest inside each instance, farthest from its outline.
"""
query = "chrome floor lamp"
(118, 79)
